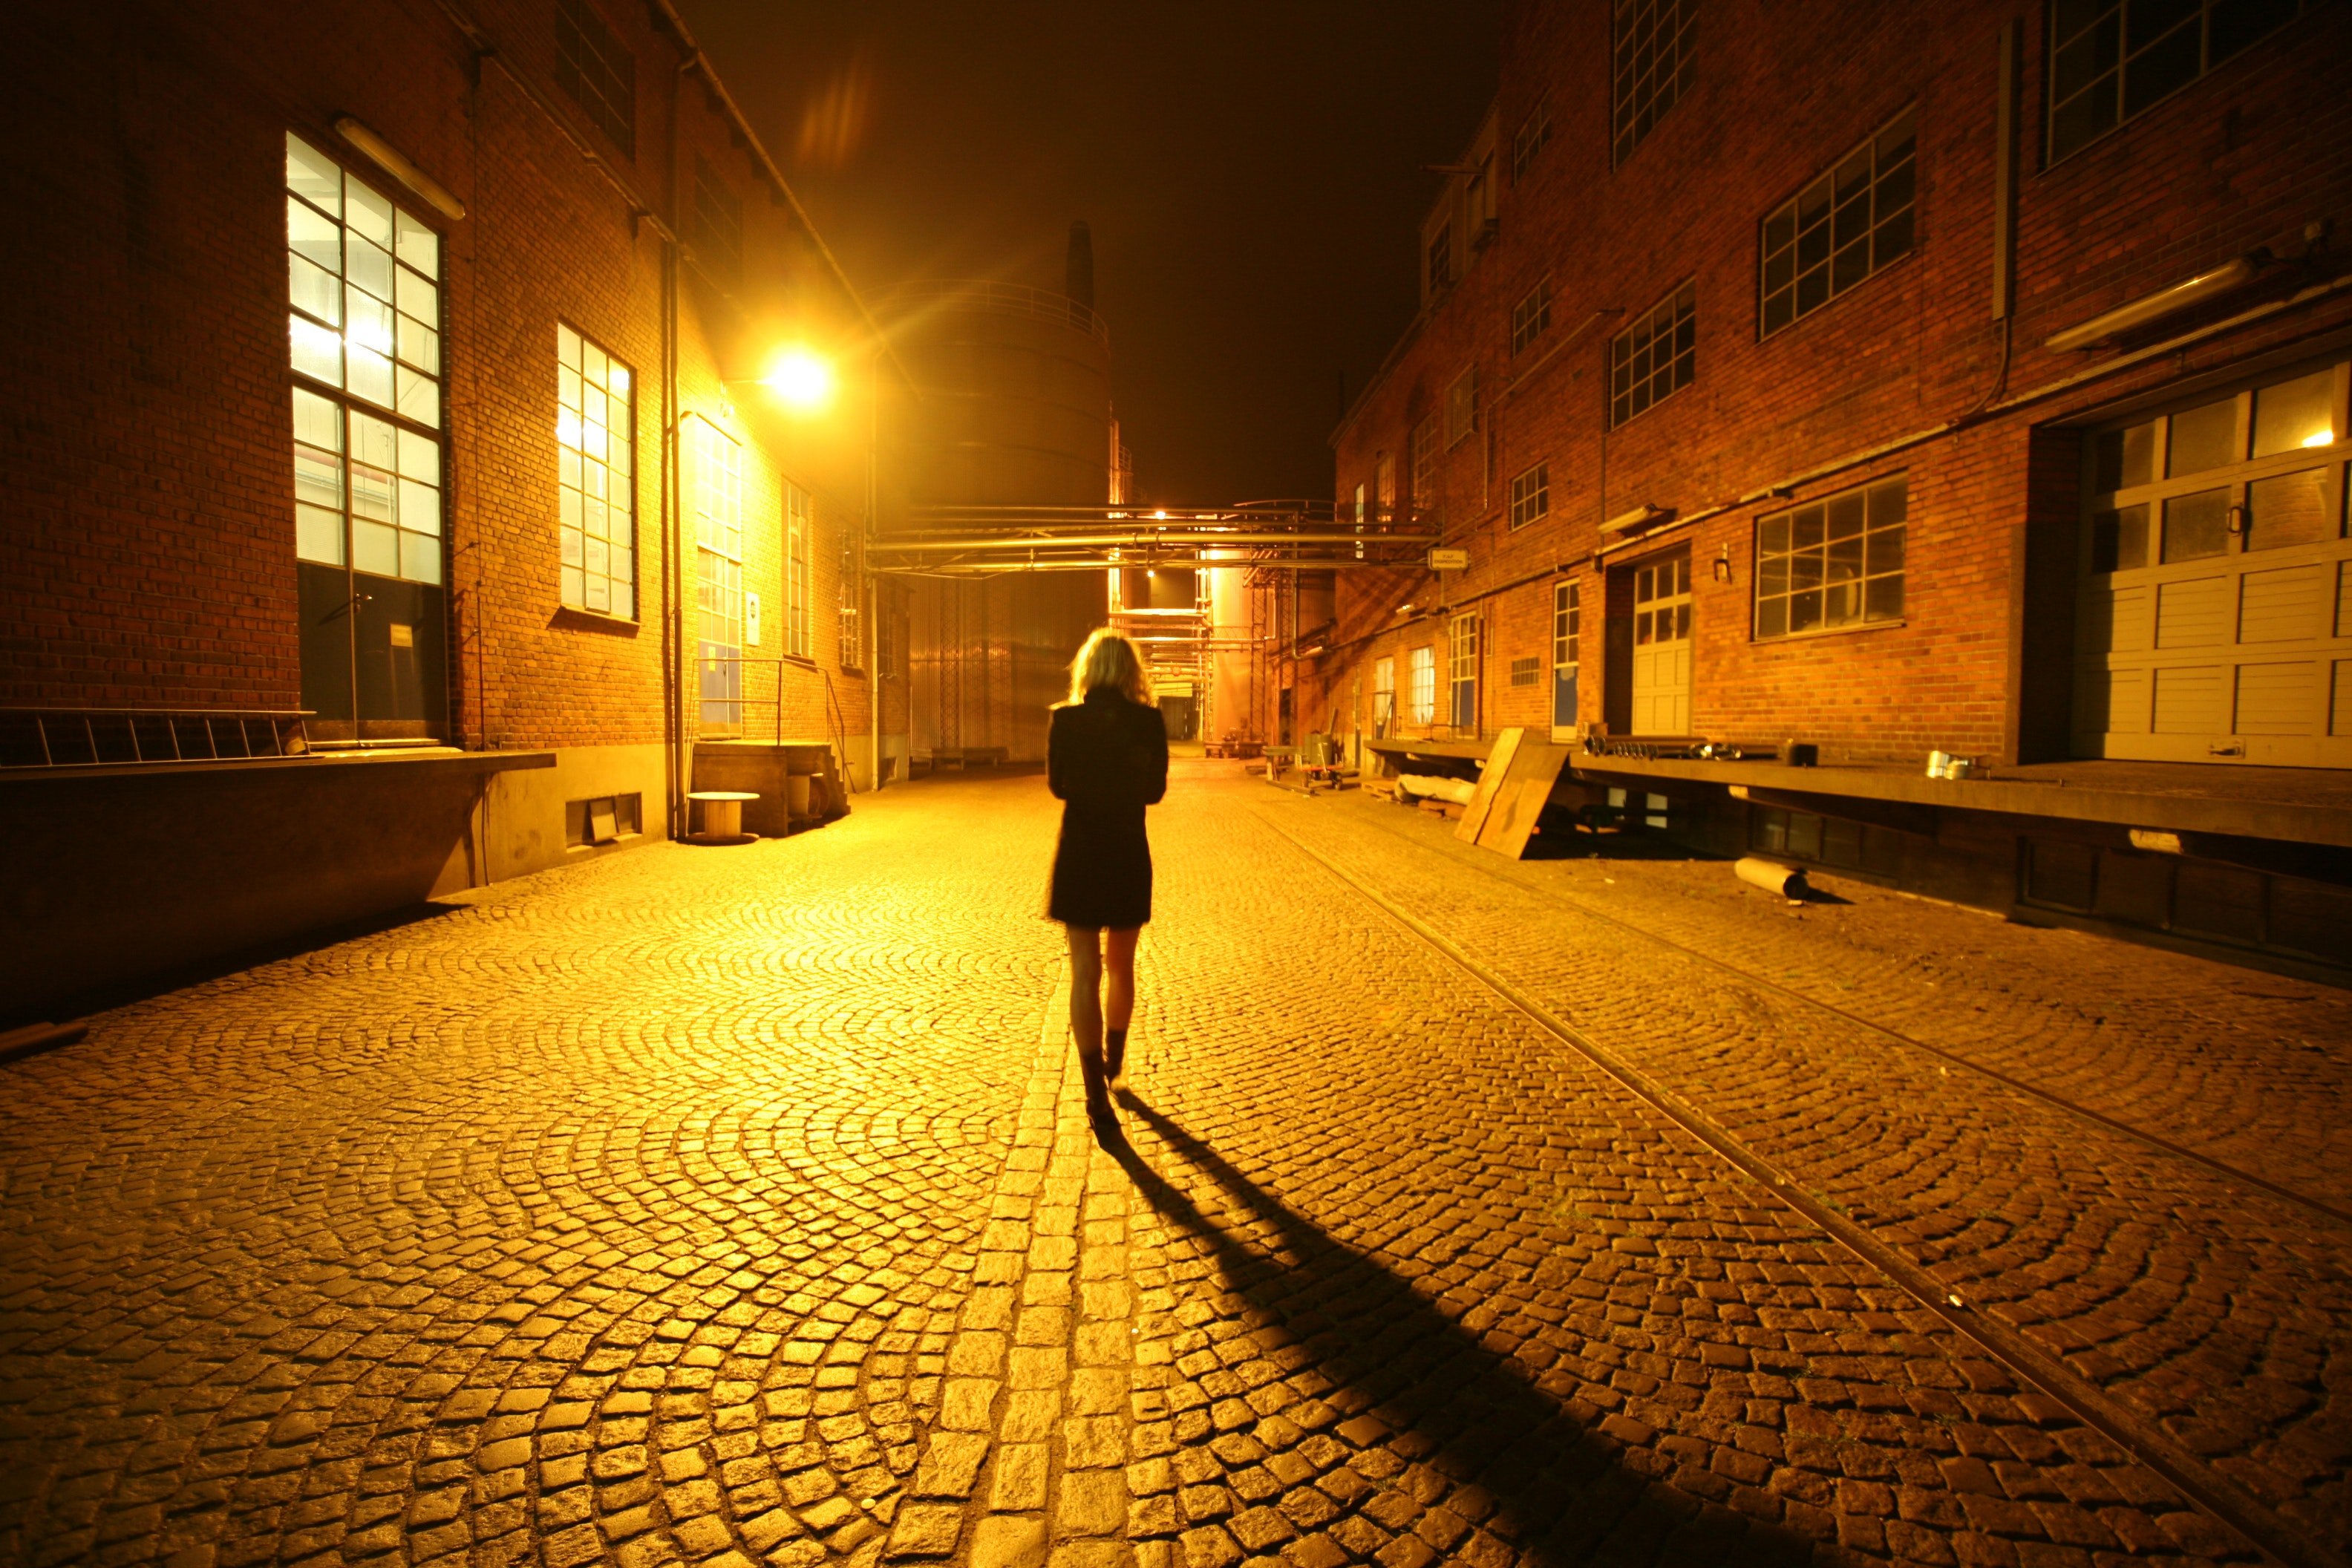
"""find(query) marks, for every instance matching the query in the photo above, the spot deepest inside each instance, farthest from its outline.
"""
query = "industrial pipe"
(1788, 881)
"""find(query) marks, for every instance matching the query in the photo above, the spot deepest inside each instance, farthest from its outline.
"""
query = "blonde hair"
(1110, 658)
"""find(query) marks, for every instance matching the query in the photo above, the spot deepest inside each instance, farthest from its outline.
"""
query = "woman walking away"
(1106, 759)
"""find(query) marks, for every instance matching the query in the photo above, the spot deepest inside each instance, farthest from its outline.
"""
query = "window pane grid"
(1420, 696)
(1533, 133)
(1832, 564)
(595, 435)
(1530, 495)
(1655, 357)
(363, 327)
(1531, 317)
(1567, 625)
(1423, 477)
(2112, 59)
(1652, 67)
(1851, 221)
(797, 526)
(597, 71)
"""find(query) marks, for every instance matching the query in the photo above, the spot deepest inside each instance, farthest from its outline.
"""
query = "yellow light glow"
(2322, 439)
(1160, 516)
(802, 378)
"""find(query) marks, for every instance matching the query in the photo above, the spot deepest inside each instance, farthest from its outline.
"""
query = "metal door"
(2216, 610)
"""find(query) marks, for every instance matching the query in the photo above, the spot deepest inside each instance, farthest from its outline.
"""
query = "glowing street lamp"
(802, 378)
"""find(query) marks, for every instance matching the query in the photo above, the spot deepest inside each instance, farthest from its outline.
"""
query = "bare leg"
(1119, 1006)
(1086, 988)
(1086, 1022)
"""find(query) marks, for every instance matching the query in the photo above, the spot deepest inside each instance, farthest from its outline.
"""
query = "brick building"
(1892, 378)
(398, 366)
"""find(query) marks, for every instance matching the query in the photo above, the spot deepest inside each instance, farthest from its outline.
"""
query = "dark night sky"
(1251, 172)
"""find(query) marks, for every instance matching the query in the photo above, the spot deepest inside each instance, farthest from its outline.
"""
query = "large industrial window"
(1531, 316)
(2111, 59)
(365, 344)
(1424, 462)
(1384, 494)
(1835, 562)
(1530, 495)
(798, 525)
(595, 425)
(1420, 693)
(715, 497)
(1533, 133)
(853, 646)
(1851, 221)
(1655, 357)
(1653, 67)
(1462, 406)
(597, 71)
(717, 230)
(1461, 672)
(1440, 259)
(1383, 697)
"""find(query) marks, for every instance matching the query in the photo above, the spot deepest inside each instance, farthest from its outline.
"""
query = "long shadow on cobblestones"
(1542, 1479)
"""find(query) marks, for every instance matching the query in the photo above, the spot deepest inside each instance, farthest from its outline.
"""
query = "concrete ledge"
(118, 873)
(2304, 807)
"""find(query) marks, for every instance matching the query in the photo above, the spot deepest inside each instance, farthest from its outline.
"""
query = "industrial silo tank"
(1015, 384)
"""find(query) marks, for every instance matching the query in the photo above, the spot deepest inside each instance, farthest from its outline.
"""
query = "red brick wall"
(2245, 157)
(148, 554)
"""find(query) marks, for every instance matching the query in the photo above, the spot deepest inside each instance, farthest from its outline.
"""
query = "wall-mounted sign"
(750, 620)
(1449, 561)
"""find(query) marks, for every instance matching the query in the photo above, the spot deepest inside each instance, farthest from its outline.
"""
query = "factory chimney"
(1080, 283)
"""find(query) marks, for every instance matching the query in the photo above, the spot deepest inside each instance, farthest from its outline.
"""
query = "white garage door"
(2217, 602)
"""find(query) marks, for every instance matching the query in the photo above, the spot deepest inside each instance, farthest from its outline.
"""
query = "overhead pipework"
(1280, 535)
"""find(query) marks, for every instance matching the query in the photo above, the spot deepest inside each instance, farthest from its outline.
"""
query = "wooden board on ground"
(1490, 777)
(1518, 798)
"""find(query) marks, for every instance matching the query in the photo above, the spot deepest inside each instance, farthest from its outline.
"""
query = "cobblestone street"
(725, 1206)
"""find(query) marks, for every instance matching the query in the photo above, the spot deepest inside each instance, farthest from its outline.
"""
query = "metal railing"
(731, 702)
(116, 737)
(997, 300)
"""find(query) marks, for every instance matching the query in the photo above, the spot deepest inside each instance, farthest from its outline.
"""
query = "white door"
(2216, 615)
(1662, 647)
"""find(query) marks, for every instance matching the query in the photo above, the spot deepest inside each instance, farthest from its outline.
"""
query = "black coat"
(1106, 759)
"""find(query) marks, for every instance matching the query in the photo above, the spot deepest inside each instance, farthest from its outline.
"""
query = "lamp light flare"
(2320, 438)
(802, 378)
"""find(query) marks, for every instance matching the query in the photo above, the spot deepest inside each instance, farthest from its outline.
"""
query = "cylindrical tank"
(1014, 410)
(1015, 385)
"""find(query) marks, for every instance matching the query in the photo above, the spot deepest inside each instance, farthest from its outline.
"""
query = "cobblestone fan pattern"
(2251, 1068)
(623, 1214)
(739, 1207)
(2222, 1312)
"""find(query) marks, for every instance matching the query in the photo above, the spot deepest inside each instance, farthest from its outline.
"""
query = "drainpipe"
(679, 778)
(874, 671)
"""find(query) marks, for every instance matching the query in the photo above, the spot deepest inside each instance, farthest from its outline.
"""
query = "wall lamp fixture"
(2233, 274)
(1723, 565)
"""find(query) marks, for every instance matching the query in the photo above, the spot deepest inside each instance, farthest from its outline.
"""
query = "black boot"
(1098, 1111)
(1115, 1057)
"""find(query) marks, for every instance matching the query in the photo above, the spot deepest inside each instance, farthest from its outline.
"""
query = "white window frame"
(1462, 638)
(1384, 705)
(715, 496)
(1854, 579)
(1420, 693)
(595, 440)
(364, 346)
(800, 521)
